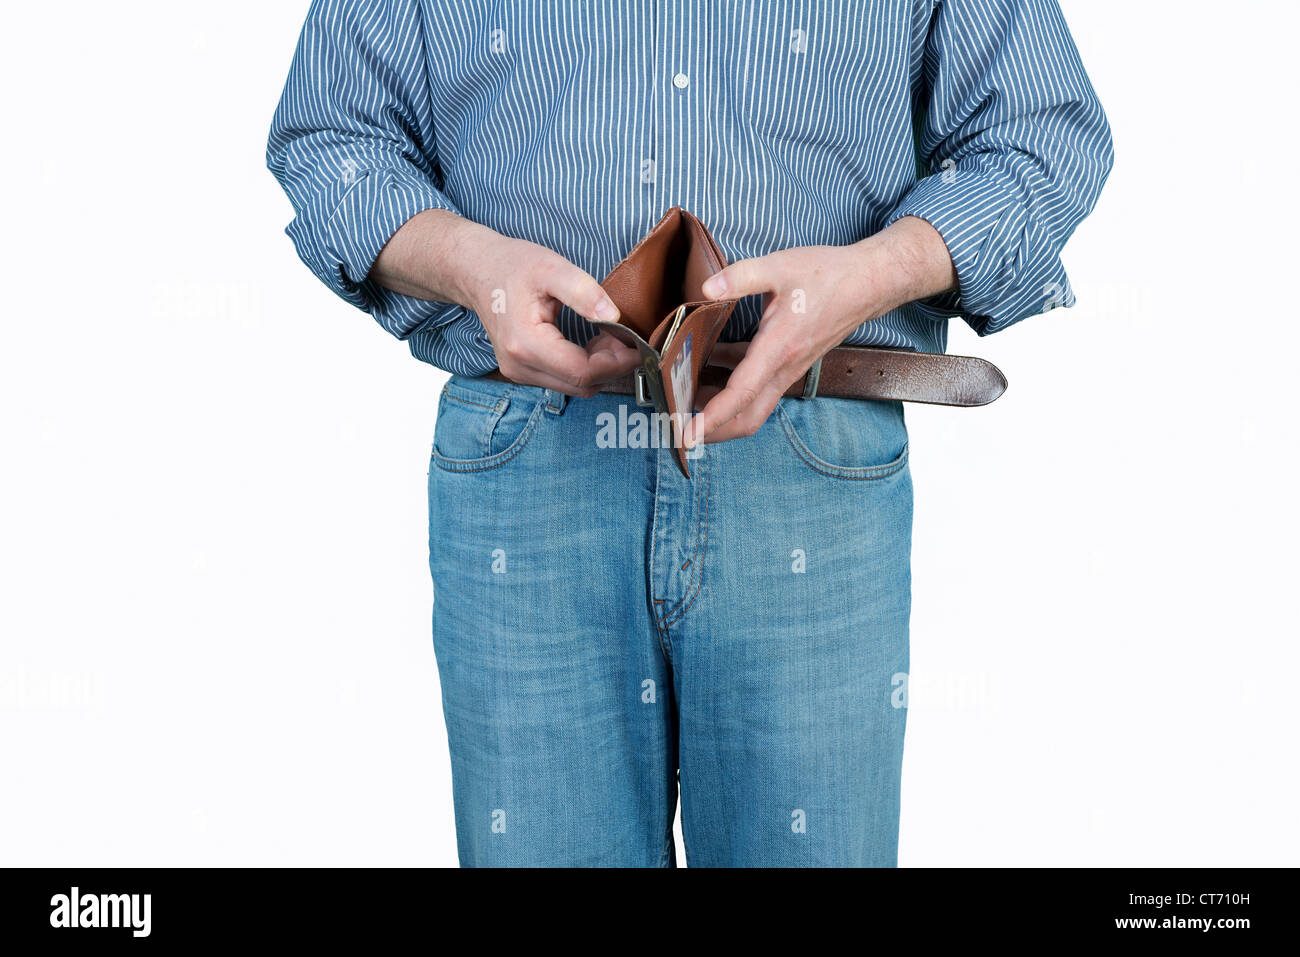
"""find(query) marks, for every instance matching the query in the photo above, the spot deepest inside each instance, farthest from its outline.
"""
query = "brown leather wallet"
(665, 316)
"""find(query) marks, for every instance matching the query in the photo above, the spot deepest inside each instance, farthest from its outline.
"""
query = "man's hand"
(517, 289)
(814, 297)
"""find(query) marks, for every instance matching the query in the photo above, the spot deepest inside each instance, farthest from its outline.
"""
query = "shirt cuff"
(1007, 266)
(353, 227)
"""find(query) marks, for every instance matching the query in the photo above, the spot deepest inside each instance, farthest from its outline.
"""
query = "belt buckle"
(810, 384)
(642, 384)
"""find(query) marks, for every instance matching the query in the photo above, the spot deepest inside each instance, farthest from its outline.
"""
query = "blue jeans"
(606, 630)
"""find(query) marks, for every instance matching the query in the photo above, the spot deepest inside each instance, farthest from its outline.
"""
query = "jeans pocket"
(846, 438)
(483, 424)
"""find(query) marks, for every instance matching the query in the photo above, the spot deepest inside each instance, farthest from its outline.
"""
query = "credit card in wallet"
(663, 315)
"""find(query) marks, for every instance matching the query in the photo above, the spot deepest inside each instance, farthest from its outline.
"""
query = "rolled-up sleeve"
(353, 144)
(1017, 149)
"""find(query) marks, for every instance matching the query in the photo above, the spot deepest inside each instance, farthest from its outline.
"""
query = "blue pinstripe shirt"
(576, 123)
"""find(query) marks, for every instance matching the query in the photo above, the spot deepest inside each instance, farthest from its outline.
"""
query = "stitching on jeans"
(697, 576)
(865, 473)
(500, 407)
(686, 847)
(893, 469)
(668, 844)
(456, 398)
(673, 804)
(458, 465)
(664, 647)
(702, 543)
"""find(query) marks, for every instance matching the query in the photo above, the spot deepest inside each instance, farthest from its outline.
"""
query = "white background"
(214, 598)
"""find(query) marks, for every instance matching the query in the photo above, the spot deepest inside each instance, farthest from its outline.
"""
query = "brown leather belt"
(862, 372)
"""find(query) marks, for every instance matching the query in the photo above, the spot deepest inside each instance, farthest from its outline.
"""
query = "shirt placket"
(676, 79)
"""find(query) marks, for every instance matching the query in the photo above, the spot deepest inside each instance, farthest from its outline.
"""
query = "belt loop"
(810, 383)
(555, 401)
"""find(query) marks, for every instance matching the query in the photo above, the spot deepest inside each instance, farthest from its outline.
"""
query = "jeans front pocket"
(846, 438)
(483, 424)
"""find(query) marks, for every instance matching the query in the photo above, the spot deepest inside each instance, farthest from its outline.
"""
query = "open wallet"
(665, 316)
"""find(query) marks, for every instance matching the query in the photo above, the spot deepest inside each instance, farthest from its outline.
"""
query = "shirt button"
(681, 81)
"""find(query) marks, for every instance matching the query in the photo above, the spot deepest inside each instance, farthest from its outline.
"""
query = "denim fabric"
(601, 623)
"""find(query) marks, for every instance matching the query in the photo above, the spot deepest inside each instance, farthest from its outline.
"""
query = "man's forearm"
(433, 256)
(903, 263)
(517, 289)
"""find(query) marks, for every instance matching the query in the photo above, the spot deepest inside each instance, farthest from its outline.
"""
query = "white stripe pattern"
(799, 122)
